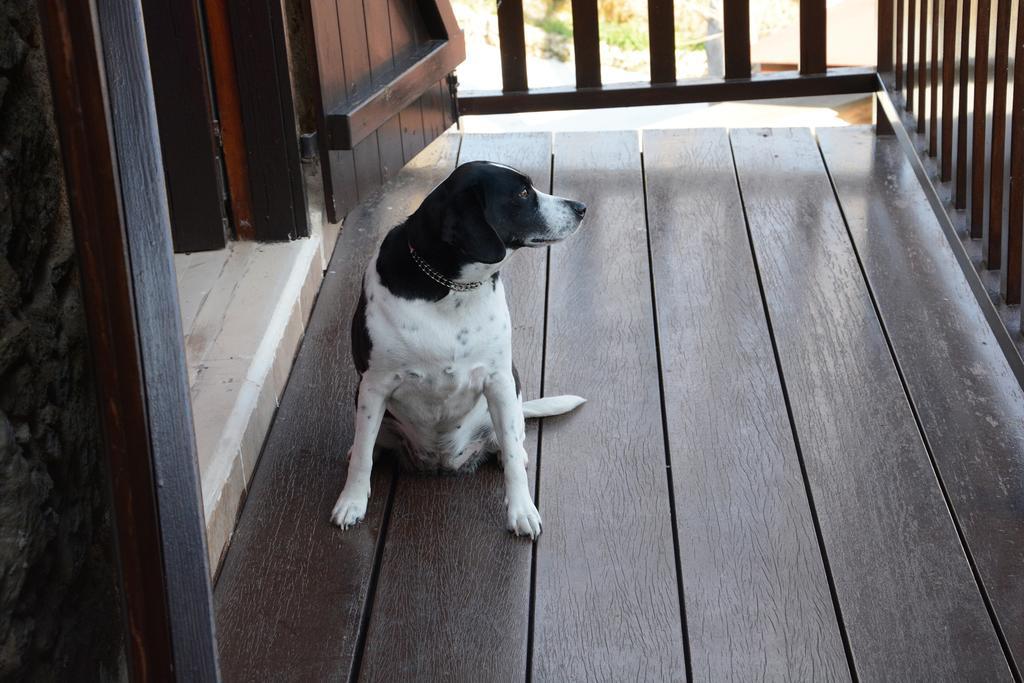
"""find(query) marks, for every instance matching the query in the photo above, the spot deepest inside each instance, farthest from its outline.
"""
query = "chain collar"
(441, 279)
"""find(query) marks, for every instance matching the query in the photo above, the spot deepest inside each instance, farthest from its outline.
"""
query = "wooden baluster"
(512, 40)
(908, 102)
(1010, 277)
(661, 22)
(899, 45)
(933, 126)
(586, 41)
(812, 37)
(922, 67)
(885, 21)
(979, 114)
(993, 246)
(962, 154)
(948, 71)
(736, 26)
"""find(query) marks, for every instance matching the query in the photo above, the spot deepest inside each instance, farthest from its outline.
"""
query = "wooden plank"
(188, 150)
(403, 37)
(606, 596)
(661, 22)
(447, 544)
(979, 114)
(758, 605)
(512, 40)
(736, 27)
(974, 405)
(382, 61)
(909, 601)
(336, 166)
(586, 41)
(390, 92)
(813, 47)
(293, 588)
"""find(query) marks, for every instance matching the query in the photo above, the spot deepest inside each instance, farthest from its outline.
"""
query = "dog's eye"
(524, 193)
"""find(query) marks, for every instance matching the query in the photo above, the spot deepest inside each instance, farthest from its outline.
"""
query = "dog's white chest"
(441, 355)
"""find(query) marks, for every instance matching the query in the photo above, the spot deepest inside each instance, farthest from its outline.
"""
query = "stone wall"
(59, 613)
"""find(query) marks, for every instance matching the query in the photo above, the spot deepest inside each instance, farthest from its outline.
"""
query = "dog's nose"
(579, 208)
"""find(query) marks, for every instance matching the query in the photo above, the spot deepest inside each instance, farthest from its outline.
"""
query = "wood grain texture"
(404, 36)
(922, 66)
(450, 568)
(336, 166)
(909, 602)
(293, 589)
(606, 596)
(997, 161)
(972, 410)
(758, 605)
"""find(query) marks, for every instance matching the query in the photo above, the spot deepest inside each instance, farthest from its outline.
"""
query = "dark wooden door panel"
(968, 400)
(758, 605)
(607, 594)
(460, 554)
(181, 90)
(909, 602)
(383, 92)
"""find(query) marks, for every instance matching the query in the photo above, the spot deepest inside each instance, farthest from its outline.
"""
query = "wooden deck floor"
(802, 457)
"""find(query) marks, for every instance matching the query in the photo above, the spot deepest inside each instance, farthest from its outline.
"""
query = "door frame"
(106, 120)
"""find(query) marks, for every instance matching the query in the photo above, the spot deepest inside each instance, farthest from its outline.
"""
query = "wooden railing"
(813, 77)
(955, 63)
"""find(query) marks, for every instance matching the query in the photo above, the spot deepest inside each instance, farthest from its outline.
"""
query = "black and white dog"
(432, 342)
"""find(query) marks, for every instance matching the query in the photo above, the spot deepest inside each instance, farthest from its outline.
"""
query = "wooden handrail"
(664, 84)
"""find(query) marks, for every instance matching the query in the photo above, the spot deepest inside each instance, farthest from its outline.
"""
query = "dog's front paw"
(350, 508)
(523, 518)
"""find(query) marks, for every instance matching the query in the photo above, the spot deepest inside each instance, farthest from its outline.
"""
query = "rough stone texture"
(59, 613)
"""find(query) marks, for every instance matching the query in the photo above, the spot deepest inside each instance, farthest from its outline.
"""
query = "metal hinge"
(453, 93)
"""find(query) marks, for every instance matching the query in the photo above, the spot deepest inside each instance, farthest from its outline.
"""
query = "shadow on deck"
(802, 457)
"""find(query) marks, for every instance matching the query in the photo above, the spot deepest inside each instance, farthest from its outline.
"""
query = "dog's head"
(483, 210)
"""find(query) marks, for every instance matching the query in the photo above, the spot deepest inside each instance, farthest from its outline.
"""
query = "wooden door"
(385, 88)
(181, 90)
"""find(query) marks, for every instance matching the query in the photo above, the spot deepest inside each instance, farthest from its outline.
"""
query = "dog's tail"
(552, 405)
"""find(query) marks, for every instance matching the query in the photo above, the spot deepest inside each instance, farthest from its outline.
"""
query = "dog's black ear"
(464, 226)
